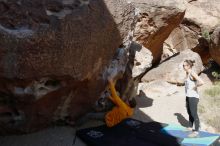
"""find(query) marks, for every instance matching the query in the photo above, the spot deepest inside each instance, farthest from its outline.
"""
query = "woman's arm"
(201, 82)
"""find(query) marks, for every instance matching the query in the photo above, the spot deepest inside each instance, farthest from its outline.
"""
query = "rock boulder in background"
(181, 38)
(172, 69)
(215, 45)
(155, 21)
(201, 18)
(203, 13)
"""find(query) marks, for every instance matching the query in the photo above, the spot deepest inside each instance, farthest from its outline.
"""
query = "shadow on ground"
(181, 119)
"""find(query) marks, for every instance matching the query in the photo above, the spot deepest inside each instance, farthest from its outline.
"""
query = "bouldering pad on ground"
(131, 132)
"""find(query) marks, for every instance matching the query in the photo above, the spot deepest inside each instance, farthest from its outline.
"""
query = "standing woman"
(192, 97)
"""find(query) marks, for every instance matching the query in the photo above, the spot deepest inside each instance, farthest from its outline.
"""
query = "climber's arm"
(115, 98)
(112, 89)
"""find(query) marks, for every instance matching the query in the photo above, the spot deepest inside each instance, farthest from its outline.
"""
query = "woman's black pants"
(191, 106)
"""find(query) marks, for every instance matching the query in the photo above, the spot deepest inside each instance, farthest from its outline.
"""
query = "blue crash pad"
(202, 139)
(131, 132)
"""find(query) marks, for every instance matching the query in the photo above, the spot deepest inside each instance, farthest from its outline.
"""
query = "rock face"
(172, 69)
(53, 47)
(212, 7)
(155, 21)
(215, 45)
(53, 54)
(56, 54)
(203, 13)
(140, 58)
(183, 38)
(201, 18)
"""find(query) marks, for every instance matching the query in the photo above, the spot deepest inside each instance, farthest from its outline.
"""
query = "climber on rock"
(121, 110)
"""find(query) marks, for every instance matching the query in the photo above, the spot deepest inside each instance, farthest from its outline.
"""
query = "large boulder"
(155, 21)
(180, 39)
(171, 70)
(215, 45)
(183, 38)
(53, 54)
(200, 19)
(212, 7)
(203, 13)
(52, 41)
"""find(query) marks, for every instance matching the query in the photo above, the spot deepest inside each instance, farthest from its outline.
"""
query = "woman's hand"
(201, 82)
